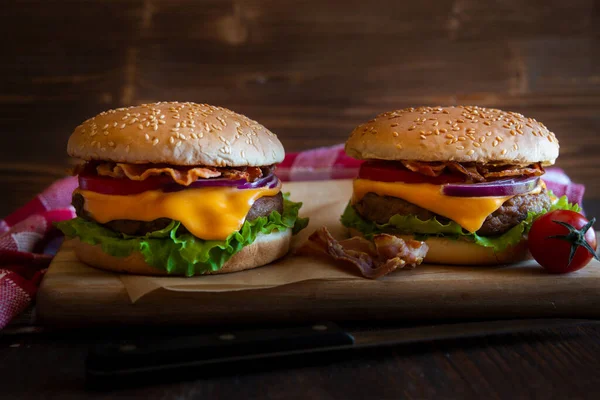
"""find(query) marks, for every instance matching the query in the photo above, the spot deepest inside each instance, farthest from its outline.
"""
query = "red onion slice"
(502, 187)
(269, 180)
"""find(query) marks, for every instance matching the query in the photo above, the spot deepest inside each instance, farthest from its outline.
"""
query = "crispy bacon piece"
(249, 173)
(425, 168)
(180, 174)
(373, 259)
(503, 171)
(470, 171)
(139, 172)
(473, 171)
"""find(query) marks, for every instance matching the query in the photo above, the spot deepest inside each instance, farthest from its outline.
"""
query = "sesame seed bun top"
(178, 134)
(462, 133)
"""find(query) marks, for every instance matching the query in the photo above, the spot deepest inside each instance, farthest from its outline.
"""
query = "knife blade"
(140, 360)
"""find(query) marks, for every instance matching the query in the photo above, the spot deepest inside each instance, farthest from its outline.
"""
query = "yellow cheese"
(468, 212)
(211, 213)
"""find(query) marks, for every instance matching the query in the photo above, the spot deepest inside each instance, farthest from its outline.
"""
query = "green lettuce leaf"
(183, 253)
(410, 224)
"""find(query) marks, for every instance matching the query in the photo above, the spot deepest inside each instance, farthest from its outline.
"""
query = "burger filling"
(262, 207)
(491, 205)
(380, 209)
(188, 220)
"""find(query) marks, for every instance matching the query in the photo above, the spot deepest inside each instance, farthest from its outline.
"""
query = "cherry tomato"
(121, 186)
(562, 241)
(389, 171)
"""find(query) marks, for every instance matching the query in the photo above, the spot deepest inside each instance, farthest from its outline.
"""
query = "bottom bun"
(265, 249)
(462, 252)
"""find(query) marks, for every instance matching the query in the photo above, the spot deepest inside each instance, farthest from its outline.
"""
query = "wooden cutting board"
(73, 294)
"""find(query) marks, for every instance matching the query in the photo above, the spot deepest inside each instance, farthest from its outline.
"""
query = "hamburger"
(468, 181)
(179, 189)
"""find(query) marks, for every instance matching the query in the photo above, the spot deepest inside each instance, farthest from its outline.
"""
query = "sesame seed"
(512, 132)
(399, 146)
(443, 130)
(456, 128)
(460, 147)
(504, 151)
(436, 123)
(182, 136)
(499, 138)
(495, 143)
(171, 140)
(422, 132)
(122, 126)
(395, 134)
(105, 126)
(178, 144)
(147, 136)
(476, 144)
(448, 142)
(111, 144)
(437, 132)
(449, 136)
(423, 137)
(470, 152)
(519, 131)
(462, 138)
(488, 134)
(155, 142)
(140, 126)
(393, 125)
(482, 139)
(105, 133)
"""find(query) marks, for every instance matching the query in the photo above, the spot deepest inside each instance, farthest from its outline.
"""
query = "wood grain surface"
(309, 70)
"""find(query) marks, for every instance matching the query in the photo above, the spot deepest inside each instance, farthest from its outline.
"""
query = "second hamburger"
(464, 179)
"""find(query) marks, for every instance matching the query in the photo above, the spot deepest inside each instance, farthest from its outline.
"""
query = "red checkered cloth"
(28, 239)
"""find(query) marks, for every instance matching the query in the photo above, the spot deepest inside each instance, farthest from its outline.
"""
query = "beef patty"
(381, 208)
(261, 207)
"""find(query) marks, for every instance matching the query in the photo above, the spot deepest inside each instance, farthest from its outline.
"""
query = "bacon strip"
(180, 174)
(504, 171)
(139, 172)
(384, 254)
(425, 168)
(473, 171)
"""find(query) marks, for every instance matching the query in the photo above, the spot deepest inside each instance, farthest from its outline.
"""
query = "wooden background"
(309, 70)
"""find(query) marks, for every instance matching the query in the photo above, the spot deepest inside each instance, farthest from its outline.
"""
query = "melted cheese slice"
(211, 213)
(468, 212)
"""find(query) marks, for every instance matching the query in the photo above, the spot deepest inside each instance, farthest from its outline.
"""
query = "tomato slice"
(121, 186)
(389, 171)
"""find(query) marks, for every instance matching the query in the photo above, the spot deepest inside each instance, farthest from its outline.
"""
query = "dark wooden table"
(310, 71)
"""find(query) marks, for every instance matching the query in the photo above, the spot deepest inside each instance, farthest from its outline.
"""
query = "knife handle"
(145, 356)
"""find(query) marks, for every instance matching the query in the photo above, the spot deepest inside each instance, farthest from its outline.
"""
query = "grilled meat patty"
(261, 207)
(381, 208)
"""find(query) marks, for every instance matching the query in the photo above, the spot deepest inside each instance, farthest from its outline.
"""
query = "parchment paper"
(323, 201)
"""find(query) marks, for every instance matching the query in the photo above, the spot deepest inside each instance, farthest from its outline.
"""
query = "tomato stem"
(576, 238)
